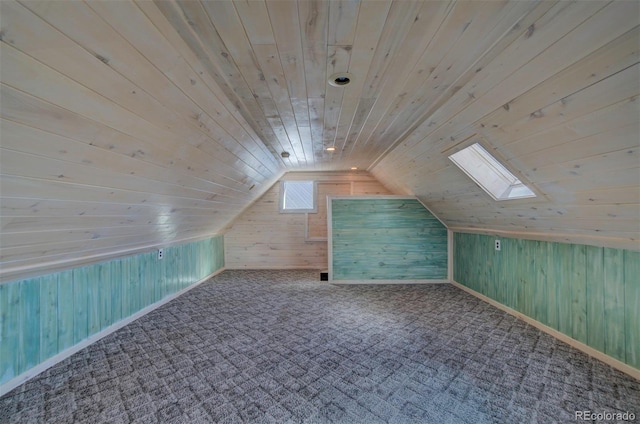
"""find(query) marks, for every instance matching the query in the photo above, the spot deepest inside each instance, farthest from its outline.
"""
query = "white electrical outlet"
(497, 244)
(160, 253)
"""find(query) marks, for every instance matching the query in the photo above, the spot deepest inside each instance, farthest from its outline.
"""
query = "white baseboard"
(345, 282)
(275, 268)
(615, 363)
(43, 366)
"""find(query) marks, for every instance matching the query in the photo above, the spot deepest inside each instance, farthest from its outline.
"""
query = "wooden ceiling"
(134, 124)
(273, 60)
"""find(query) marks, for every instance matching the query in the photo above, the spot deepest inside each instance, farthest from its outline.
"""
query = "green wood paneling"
(5, 352)
(632, 307)
(94, 301)
(116, 274)
(539, 282)
(595, 297)
(614, 323)
(106, 288)
(591, 294)
(386, 239)
(65, 310)
(80, 295)
(125, 289)
(48, 316)
(42, 316)
(563, 261)
(552, 290)
(579, 294)
(9, 301)
(30, 322)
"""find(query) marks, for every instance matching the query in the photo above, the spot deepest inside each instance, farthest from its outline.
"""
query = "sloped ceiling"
(131, 124)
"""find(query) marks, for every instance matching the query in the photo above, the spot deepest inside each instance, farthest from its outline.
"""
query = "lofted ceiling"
(130, 124)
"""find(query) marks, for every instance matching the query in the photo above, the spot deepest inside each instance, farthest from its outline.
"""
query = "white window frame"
(491, 175)
(315, 197)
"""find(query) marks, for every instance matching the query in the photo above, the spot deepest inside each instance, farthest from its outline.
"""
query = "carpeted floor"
(280, 346)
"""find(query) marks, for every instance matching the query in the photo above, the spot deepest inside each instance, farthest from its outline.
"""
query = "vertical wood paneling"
(30, 322)
(9, 336)
(125, 292)
(614, 323)
(105, 287)
(388, 239)
(579, 294)
(262, 237)
(65, 310)
(632, 307)
(147, 279)
(133, 284)
(539, 284)
(116, 274)
(589, 293)
(48, 316)
(595, 297)
(503, 293)
(563, 264)
(552, 290)
(42, 316)
(94, 300)
(81, 278)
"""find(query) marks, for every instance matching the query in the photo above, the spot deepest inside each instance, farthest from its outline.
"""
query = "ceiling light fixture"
(285, 154)
(331, 149)
(354, 168)
(340, 79)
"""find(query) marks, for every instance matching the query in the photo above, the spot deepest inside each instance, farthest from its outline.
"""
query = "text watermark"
(604, 416)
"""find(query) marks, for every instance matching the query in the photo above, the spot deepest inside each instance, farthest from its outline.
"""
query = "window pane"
(490, 174)
(298, 195)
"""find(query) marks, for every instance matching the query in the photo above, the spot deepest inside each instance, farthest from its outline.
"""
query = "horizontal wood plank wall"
(263, 238)
(113, 138)
(386, 239)
(591, 294)
(41, 317)
(558, 103)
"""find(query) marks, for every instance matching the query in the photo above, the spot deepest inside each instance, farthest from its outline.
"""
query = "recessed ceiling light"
(331, 149)
(340, 79)
(354, 168)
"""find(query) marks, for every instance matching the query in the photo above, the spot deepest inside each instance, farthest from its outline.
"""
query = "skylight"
(490, 174)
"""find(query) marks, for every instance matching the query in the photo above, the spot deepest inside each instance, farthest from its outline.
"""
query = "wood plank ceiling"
(128, 124)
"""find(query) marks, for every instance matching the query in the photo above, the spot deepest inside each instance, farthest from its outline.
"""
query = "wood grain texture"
(136, 124)
(100, 103)
(386, 239)
(263, 238)
(42, 316)
(563, 127)
(587, 293)
(632, 307)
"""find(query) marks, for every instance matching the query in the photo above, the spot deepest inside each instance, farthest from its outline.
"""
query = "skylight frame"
(491, 175)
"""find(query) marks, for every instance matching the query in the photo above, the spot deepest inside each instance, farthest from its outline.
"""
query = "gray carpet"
(280, 346)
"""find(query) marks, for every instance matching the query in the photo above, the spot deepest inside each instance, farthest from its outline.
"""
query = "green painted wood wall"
(591, 294)
(40, 317)
(388, 239)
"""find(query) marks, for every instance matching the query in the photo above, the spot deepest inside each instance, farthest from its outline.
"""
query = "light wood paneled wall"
(589, 293)
(114, 138)
(559, 106)
(44, 316)
(262, 238)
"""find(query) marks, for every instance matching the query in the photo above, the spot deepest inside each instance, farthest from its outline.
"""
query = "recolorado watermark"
(604, 416)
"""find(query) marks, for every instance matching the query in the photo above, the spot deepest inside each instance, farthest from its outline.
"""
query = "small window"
(297, 197)
(490, 174)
